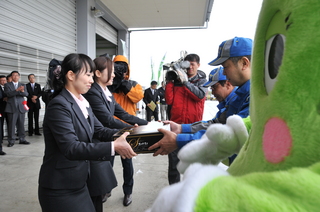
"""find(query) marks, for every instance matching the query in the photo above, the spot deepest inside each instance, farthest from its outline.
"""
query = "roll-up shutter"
(32, 33)
(106, 31)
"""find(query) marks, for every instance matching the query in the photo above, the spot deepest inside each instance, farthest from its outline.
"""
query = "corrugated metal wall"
(106, 31)
(32, 33)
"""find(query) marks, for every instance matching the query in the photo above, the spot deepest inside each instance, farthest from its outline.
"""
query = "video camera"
(53, 72)
(177, 70)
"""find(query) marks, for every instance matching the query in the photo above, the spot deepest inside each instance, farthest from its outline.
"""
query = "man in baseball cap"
(235, 47)
(221, 88)
(223, 91)
(235, 57)
(215, 76)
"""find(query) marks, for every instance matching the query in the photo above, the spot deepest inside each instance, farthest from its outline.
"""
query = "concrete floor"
(20, 169)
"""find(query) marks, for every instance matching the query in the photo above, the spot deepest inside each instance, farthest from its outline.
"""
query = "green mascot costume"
(278, 165)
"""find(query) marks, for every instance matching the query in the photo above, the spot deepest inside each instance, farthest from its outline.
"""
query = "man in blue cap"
(234, 55)
(223, 91)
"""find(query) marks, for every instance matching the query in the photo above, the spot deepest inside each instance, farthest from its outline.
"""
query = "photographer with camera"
(186, 95)
(53, 71)
(127, 94)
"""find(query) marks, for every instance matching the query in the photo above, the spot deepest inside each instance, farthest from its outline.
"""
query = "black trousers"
(97, 202)
(65, 200)
(33, 113)
(173, 173)
(3, 117)
(1, 137)
(154, 113)
(127, 174)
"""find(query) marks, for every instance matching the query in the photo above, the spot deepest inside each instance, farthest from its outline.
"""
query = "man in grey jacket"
(16, 108)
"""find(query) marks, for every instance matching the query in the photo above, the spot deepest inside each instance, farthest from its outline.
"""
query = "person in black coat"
(69, 127)
(106, 109)
(163, 104)
(33, 102)
(1, 129)
(151, 96)
(53, 71)
(3, 103)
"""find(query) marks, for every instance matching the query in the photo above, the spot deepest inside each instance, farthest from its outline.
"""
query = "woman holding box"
(69, 126)
(106, 109)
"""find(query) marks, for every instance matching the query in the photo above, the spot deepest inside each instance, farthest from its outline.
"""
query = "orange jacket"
(128, 101)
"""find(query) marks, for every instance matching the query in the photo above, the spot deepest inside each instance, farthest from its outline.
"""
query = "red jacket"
(187, 100)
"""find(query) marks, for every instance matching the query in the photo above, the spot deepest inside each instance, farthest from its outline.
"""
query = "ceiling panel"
(160, 13)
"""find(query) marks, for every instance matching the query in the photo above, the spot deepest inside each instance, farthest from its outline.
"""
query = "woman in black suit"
(106, 109)
(69, 126)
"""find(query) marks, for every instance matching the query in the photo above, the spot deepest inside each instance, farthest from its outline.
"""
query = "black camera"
(120, 68)
(177, 70)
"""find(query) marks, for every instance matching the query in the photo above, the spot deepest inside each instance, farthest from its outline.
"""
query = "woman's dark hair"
(77, 63)
(102, 63)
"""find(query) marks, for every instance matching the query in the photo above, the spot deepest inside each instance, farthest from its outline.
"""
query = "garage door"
(32, 33)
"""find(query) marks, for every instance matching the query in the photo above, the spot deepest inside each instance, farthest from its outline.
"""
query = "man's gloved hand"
(182, 196)
(125, 86)
(170, 76)
(219, 142)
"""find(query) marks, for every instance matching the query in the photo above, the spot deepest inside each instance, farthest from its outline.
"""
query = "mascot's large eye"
(273, 59)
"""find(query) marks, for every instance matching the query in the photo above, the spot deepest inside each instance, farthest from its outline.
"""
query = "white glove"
(181, 197)
(219, 142)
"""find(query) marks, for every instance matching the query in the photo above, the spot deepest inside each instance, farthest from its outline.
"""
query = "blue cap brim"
(218, 61)
(209, 83)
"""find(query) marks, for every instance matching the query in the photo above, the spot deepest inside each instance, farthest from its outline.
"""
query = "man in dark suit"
(16, 108)
(3, 103)
(1, 129)
(33, 102)
(1, 152)
(151, 96)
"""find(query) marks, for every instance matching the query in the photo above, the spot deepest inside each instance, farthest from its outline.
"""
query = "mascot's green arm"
(297, 189)
(247, 123)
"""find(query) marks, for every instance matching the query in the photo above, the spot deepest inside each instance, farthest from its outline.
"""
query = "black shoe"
(30, 134)
(38, 134)
(2, 152)
(10, 144)
(24, 142)
(127, 200)
(105, 197)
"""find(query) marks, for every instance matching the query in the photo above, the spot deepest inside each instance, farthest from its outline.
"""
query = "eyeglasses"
(215, 86)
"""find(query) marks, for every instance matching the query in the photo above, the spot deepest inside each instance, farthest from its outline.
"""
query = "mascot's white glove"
(181, 197)
(219, 142)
